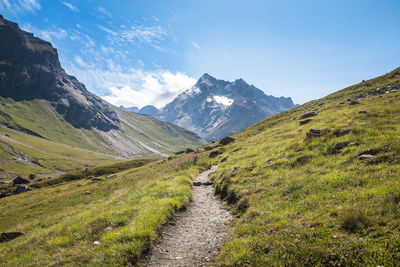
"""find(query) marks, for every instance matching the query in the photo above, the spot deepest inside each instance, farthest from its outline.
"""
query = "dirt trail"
(197, 234)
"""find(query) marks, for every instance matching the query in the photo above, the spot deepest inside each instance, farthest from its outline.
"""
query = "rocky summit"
(30, 68)
(215, 108)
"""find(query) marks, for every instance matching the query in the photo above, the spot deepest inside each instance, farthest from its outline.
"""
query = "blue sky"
(136, 53)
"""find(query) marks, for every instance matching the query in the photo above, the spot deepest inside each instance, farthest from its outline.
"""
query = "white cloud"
(70, 6)
(104, 11)
(88, 42)
(107, 50)
(107, 30)
(150, 88)
(78, 60)
(48, 35)
(133, 87)
(149, 35)
(19, 6)
(143, 34)
(196, 45)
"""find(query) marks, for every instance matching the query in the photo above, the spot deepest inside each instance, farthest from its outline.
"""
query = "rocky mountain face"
(30, 69)
(215, 108)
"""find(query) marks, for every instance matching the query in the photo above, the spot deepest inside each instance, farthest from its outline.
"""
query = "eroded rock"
(305, 121)
(22, 189)
(226, 140)
(342, 145)
(308, 115)
(8, 236)
(21, 180)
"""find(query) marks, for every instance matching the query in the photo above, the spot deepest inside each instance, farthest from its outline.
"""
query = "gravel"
(197, 233)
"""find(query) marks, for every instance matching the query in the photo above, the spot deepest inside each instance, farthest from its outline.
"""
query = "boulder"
(4, 237)
(226, 140)
(354, 102)
(308, 115)
(97, 179)
(342, 145)
(315, 133)
(179, 152)
(23, 189)
(341, 132)
(196, 183)
(207, 183)
(305, 121)
(21, 180)
(213, 154)
(208, 148)
(362, 112)
(189, 150)
(366, 156)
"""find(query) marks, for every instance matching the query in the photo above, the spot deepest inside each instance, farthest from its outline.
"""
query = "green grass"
(65, 148)
(93, 172)
(296, 201)
(52, 156)
(303, 202)
(124, 213)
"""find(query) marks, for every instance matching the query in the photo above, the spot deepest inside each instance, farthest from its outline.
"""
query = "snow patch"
(223, 100)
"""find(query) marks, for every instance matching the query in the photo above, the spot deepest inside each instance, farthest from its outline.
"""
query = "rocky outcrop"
(22, 189)
(4, 237)
(21, 180)
(30, 69)
(226, 140)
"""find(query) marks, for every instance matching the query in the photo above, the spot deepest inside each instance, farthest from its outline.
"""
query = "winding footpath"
(197, 234)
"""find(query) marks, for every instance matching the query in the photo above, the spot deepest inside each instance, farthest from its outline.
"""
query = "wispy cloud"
(47, 34)
(107, 30)
(104, 11)
(70, 6)
(135, 34)
(143, 34)
(196, 45)
(88, 42)
(19, 6)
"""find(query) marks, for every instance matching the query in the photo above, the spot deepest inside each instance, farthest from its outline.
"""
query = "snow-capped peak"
(223, 100)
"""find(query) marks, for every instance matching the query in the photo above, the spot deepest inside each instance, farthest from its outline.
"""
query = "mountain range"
(215, 108)
(38, 98)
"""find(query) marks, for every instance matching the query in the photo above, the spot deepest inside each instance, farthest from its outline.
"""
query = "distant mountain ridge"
(146, 110)
(215, 108)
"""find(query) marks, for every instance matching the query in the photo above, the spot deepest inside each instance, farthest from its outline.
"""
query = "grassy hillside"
(314, 200)
(25, 154)
(34, 139)
(123, 212)
(325, 197)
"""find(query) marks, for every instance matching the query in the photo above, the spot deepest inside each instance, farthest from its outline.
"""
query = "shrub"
(354, 220)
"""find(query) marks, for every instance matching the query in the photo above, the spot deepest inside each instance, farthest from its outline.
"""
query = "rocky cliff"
(30, 69)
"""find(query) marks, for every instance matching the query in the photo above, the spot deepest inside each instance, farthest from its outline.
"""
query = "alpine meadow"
(113, 153)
